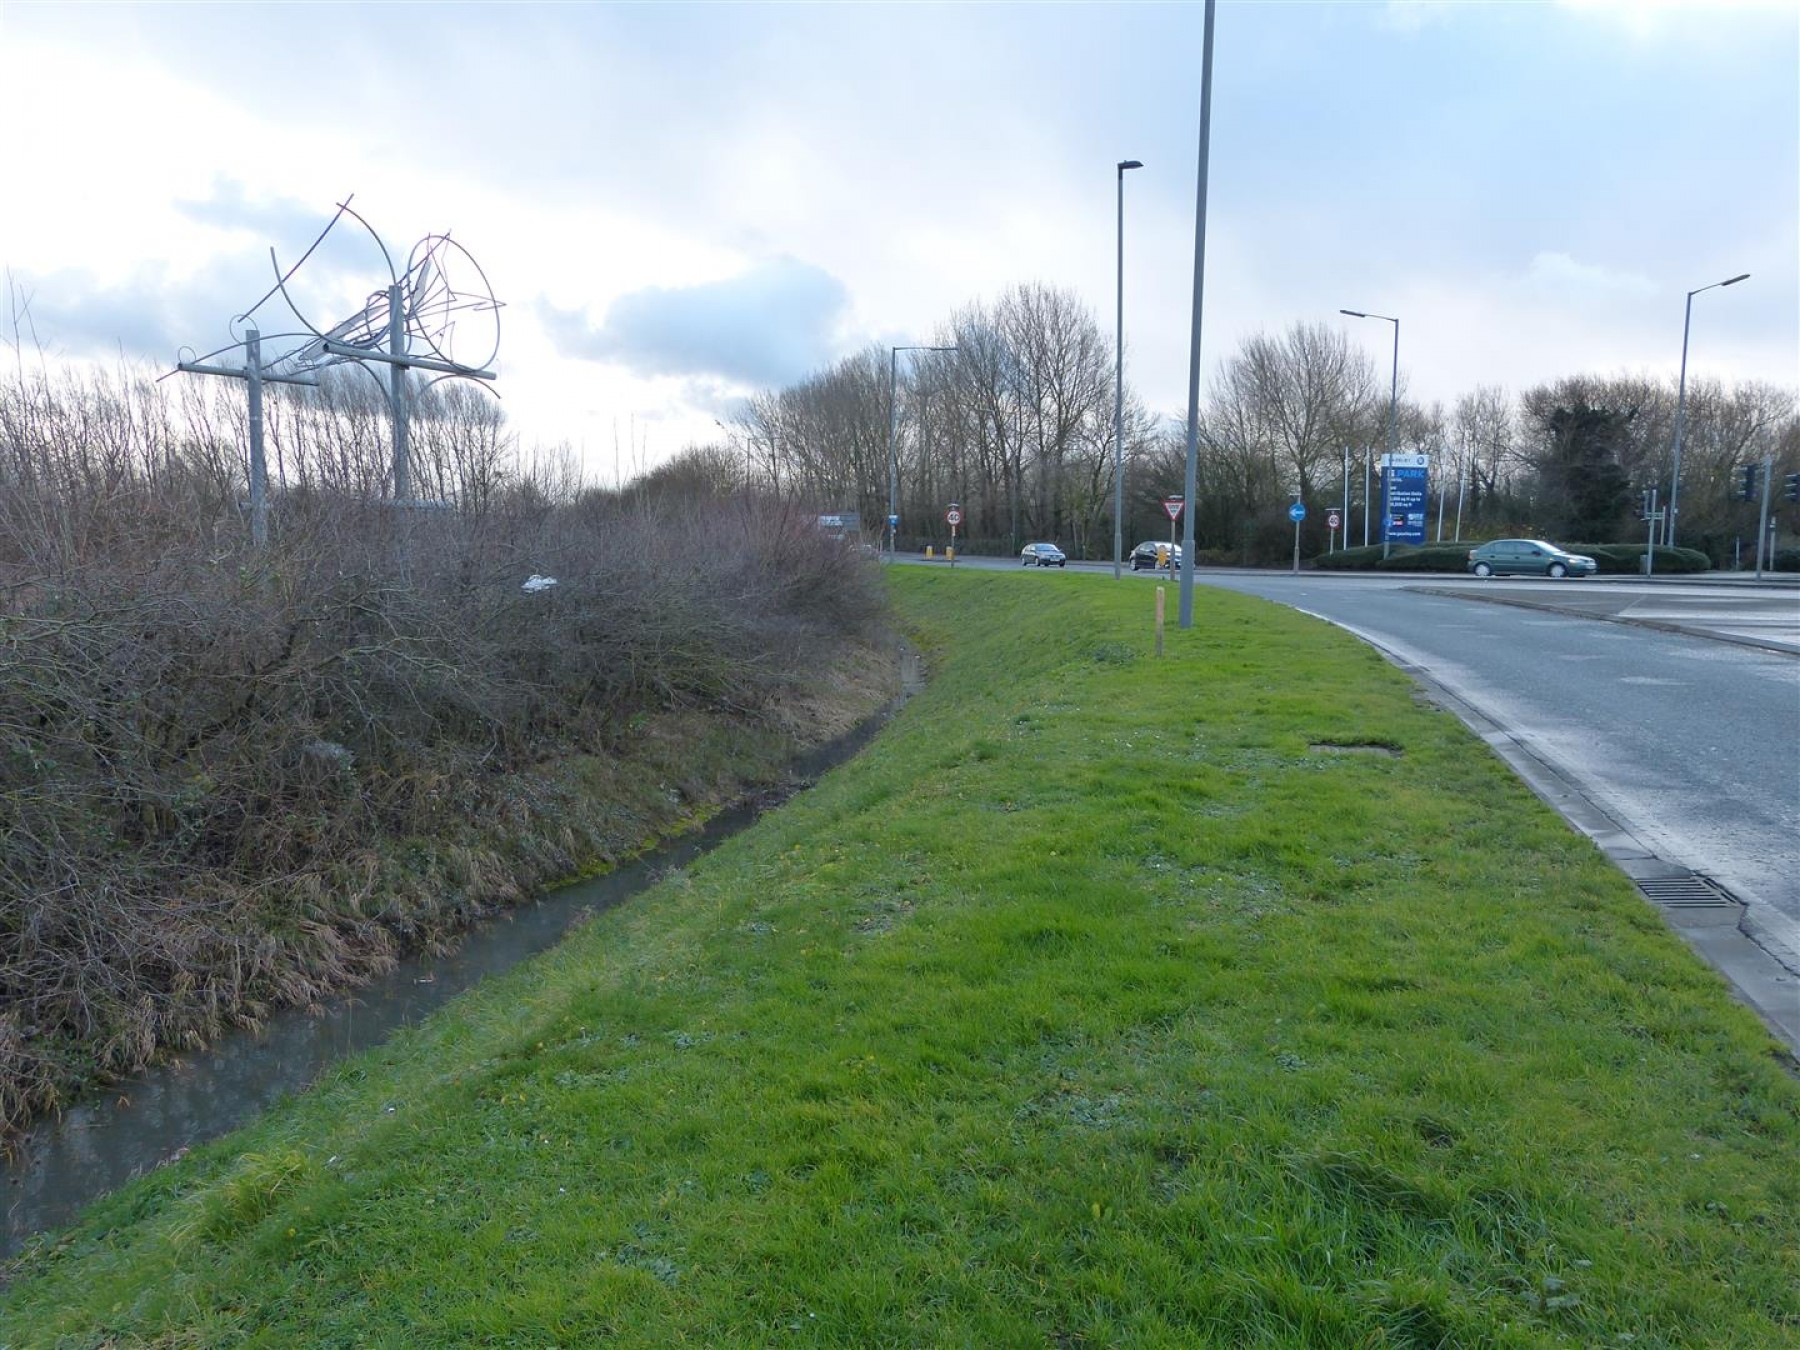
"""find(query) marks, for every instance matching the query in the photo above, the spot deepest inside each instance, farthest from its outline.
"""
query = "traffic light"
(1792, 490)
(1752, 474)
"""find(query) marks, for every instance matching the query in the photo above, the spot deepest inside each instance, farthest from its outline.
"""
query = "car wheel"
(1558, 570)
(1483, 570)
(1062, 564)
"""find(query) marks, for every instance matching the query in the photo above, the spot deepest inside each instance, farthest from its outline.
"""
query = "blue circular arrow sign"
(1297, 512)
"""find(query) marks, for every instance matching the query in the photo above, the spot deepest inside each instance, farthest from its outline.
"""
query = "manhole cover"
(1687, 891)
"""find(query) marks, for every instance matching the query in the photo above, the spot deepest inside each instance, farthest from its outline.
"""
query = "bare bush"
(232, 779)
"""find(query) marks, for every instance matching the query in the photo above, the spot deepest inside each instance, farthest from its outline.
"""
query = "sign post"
(1297, 513)
(1404, 479)
(1173, 505)
(954, 517)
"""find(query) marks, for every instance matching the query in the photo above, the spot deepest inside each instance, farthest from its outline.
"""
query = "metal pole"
(1681, 408)
(893, 459)
(259, 467)
(1393, 396)
(1346, 496)
(1368, 468)
(1762, 519)
(1119, 387)
(1462, 485)
(1193, 428)
(397, 384)
(1680, 416)
(1654, 518)
(1440, 532)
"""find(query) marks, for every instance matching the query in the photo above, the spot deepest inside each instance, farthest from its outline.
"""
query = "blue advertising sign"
(1405, 480)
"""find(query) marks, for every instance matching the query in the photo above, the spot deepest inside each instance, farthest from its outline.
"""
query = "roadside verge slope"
(1232, 998)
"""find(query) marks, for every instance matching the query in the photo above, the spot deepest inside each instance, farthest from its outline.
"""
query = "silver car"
(1042, 555)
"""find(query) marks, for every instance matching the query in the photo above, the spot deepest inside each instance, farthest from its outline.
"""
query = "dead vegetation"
(235, 779)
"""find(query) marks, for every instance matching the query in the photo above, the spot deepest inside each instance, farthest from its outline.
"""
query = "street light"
(893, 453)
(1681, 403)
(1393, 395)
(1119, 387)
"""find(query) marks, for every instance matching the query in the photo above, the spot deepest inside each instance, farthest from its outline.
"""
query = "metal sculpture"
(441, 305)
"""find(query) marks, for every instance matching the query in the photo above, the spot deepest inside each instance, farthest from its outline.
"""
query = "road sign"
(1333, 520)
(1404, 485)
(893, 521)
(1173, 506)
(1297, 512)
(953, 516)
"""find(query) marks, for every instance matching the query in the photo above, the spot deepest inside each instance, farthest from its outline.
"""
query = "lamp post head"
(1354, 313)
(1742, 276)
(1125, 164)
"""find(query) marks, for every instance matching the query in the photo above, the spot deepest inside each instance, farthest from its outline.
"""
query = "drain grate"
(1687, 891)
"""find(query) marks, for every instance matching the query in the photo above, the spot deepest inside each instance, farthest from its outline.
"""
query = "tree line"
(1016, 425)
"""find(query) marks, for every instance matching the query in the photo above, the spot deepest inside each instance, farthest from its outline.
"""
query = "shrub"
(1628, 559)
(210, 756)
(1401, 558)
(1613, 559)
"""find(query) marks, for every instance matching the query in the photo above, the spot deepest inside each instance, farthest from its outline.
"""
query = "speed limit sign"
(953, 516)
(1333, 521)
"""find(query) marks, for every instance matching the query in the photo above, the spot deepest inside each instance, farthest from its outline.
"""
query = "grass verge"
(1233, 998)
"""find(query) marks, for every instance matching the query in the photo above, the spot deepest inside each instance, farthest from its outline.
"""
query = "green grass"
(1099, 1004)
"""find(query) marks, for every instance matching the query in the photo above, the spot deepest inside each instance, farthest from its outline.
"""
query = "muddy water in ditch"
(100, 1144)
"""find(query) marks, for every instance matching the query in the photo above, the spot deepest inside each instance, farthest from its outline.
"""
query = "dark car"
(1528, 557)
(1043, 555)
(1152, 554)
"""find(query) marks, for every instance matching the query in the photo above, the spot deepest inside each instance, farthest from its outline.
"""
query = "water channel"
(99, 1144)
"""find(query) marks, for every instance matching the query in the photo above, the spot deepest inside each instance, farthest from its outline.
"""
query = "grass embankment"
(1108, 1000)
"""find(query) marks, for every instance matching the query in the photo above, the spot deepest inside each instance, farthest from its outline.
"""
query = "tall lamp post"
(1393, 396)
(1681, 404)
(893, 453)
(1119, 387)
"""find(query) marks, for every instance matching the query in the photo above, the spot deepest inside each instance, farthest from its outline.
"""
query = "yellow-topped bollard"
(928, 550)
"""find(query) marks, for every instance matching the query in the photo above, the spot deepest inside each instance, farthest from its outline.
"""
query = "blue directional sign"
(893, 521)
(1297, 512)
(1405, 479)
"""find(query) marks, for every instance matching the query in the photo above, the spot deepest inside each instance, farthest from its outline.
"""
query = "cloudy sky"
(682, 204)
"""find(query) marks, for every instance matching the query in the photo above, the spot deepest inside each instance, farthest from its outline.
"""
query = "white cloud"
(1558, 272)
(678, 202)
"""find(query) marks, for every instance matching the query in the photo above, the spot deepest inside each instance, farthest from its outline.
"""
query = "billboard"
(1405, 480)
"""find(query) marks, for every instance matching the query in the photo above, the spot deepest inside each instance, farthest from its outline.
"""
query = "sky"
(681, 205)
